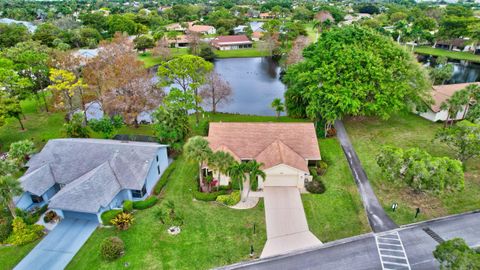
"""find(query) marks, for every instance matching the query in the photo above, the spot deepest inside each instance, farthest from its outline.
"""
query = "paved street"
(362, 252)
(378, 219)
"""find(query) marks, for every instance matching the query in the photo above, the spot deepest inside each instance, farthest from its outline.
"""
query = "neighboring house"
(182, 41)
(440, 94)
(202, 29)
(285, 149)
(81, 178)
(175, 27)
(235, 42)
(266, 15)
(255, 26)
(456, 44)
(256, 36)
(95, 111)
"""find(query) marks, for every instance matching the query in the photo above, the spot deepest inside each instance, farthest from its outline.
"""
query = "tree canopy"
(354, 71)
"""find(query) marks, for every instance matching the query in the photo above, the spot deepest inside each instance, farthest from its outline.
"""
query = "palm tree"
(254, 171)
(237, 171)
(472, 91)
(220, 161)
(278, 106)
(455, 104)
(9, 188)
(197, 150)
(173, 35)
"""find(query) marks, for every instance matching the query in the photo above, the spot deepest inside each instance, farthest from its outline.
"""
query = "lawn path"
(378, 219)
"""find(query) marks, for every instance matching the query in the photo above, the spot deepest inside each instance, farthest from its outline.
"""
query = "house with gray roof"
(82, 178)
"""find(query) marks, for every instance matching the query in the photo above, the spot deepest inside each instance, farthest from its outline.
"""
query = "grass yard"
(242, 53)
(10, 256)
(409, 131)
(41, 126)
(151, 61)
(337, 213)
(212, 235)
(450, 54)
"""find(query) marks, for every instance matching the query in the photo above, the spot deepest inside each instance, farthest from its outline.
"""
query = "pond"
(463, 71)
(255, 83)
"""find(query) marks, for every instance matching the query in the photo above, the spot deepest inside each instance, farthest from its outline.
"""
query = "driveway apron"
(287, 228)
(57, 249)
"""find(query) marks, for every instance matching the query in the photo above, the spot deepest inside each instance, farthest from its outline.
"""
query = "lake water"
(255, 83)
(463, 71)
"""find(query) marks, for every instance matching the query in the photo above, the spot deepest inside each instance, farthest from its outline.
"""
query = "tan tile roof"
(269, 143)
(442, 93)
(231, 40)
(200, 28)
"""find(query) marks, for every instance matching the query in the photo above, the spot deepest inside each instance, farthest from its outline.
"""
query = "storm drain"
(433, 234)
(391, 251)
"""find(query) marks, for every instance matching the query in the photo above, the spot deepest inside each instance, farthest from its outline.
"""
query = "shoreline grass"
(449, 54)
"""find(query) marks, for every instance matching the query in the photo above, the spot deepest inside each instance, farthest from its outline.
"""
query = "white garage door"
(281, 180)
(78, 215)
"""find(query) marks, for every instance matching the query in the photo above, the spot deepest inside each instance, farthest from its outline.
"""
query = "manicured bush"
(230, 199)
(23, 234)
(5, 228)
(127, 206)
(112, 248)
(321, 167)
(227, 187)
(207, 197)
(315, 186)
(107, 216)
(149, 202)
(123, 221)
(32, 217)
(164, 179)
(49, 216)
(168, 215)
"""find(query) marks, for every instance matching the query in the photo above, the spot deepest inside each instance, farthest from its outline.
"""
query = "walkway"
(57, 248)
(287, 228)
(378, 219)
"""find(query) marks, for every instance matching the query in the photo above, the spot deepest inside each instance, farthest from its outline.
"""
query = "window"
(139, 193)
(158, 169)
(157, 158)
(36, 199)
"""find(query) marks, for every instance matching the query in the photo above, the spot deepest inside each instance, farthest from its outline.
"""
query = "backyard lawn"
(151, 61)
(337, 213)
(212, 235)
(450, 54)
(408, 131)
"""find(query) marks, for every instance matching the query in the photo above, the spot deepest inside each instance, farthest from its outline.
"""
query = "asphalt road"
(378, 219)
(362, 252)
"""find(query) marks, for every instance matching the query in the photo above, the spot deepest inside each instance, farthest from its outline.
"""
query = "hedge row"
(164, 179)
(109, 215)
(149, 202)
(208, 197)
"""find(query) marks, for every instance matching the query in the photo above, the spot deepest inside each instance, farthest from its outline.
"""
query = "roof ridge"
(115, 155)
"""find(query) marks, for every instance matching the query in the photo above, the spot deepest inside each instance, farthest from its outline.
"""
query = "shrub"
(168, 215)
(23, 234)
(207, 197)
(32, 217)
(164, 179)
(226, 188)
(149, 202)
(315, 186)
(107, 216)
(123, 221)
(49, 216)
(5, 228)
(112, 248)
(127, 206)
(231, 199)
(321, 167)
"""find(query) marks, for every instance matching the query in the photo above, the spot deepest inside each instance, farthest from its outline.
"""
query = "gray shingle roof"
(88, 193)
(93, 170)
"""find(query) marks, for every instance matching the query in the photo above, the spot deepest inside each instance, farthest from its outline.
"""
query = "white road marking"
(386, 259)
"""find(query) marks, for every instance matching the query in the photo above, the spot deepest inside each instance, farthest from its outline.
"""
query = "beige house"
(202, 29)
(285, 149)
(440, 94)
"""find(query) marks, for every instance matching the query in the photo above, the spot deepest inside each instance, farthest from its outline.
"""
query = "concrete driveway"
(287, 227)
(57, 248)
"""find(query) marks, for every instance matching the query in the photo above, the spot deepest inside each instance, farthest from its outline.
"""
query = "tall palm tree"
(472, 92)
(254, 171)
(197, 150)
(237, 171)
(220, 161)
(454, 104)
(9, 188)
(278, 106)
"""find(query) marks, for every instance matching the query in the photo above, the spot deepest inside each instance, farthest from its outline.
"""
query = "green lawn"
(151, 61)
(408, 131)
(10, 256)
(337, 213)
(41, 126)
(450, 54)
(212, 235)
(241, 53)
